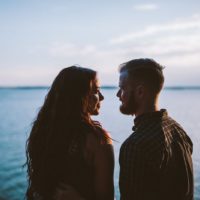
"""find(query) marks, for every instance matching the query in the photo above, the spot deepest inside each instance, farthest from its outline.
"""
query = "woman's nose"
(101, 97)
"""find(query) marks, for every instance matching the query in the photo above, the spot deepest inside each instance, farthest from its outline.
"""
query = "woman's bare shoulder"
(99, 137)
(97, 141)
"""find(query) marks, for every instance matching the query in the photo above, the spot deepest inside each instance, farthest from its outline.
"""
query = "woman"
(65, 145)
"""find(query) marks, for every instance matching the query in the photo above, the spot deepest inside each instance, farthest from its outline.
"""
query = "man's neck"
(147, 109)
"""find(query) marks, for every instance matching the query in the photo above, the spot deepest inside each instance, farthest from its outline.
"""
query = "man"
(155, 160)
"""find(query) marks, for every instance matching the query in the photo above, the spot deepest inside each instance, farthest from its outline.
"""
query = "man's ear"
(140, 91)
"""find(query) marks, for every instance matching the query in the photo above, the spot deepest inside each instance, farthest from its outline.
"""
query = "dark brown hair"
(145, 70)
(63, 114)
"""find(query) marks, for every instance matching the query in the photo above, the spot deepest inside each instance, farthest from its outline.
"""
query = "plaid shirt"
(155, 161)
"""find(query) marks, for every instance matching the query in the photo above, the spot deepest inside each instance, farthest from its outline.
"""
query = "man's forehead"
(123, 76)
(125, 79)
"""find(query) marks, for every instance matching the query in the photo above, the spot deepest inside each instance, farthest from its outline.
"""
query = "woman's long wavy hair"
(65, 108)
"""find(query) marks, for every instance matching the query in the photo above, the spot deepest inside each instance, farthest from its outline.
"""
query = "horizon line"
(176, 87)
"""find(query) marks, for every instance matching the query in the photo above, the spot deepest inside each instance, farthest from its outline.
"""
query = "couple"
(67, 150)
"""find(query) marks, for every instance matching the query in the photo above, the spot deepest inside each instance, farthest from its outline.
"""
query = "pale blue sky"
(40, 37)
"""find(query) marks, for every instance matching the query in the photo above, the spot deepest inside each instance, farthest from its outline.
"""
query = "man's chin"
(126, 111)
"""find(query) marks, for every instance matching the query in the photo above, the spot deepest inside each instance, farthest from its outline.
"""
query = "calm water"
(18, 107)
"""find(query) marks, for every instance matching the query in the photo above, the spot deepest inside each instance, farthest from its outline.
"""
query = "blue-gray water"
(18, 107)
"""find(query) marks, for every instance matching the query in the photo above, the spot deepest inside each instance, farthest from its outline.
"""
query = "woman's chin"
(95, 112)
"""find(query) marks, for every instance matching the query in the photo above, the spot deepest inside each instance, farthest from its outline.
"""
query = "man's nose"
(118, 93)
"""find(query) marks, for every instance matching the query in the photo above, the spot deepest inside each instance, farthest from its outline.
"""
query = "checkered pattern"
(155, 161)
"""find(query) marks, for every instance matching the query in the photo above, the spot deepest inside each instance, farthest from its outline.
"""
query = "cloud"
(180, 37)
(103, 59)
(69, 49)
(165, 45)
(175, 44)
(27, 75)
(178, 40)
(146, 7)
(190, 24)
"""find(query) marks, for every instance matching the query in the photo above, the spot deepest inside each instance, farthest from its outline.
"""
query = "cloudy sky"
(39, 38)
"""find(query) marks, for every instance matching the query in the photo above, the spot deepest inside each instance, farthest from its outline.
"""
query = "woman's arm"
(65, 192)
(100, 154)
(104, 169)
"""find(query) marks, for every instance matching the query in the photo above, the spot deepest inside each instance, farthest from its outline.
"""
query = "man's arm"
(132, 171)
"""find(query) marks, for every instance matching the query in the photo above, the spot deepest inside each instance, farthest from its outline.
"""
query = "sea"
(19, 107)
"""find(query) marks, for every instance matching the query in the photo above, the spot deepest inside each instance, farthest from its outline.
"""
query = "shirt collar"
(147, 117)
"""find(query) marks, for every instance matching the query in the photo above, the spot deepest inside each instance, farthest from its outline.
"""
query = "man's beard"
(130, 107)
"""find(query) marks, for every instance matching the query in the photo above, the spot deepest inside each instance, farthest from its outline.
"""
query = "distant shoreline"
(103, 87)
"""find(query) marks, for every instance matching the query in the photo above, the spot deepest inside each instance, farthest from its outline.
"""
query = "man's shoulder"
(170, 122)
(173, 128)
(154, 135)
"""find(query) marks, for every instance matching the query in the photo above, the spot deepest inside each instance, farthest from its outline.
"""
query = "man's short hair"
(145, 70)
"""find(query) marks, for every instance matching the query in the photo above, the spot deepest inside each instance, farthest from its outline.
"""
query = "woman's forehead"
(95, 83)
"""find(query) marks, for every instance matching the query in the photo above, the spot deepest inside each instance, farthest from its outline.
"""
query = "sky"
(39, 38)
